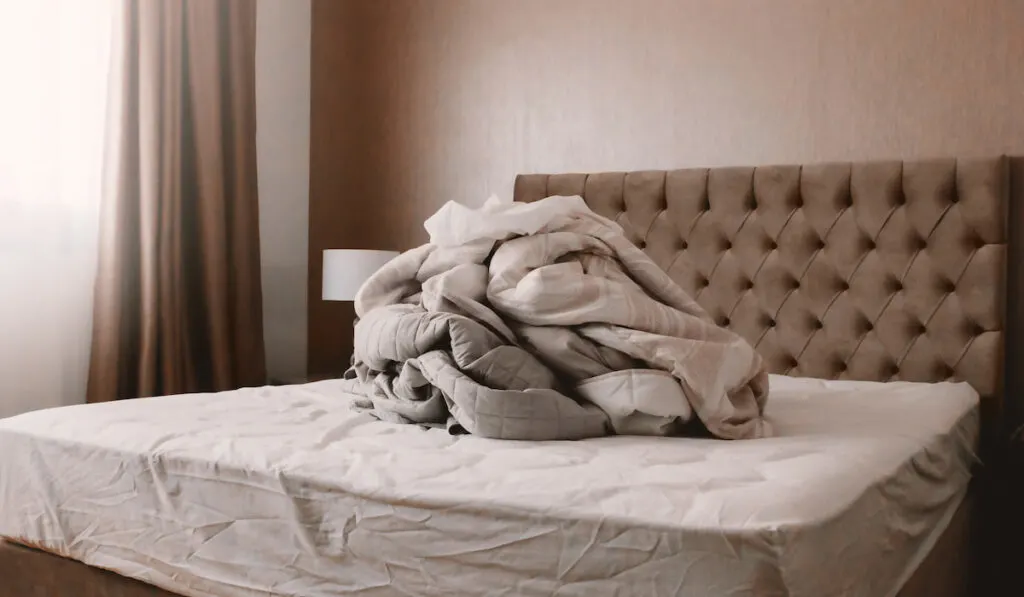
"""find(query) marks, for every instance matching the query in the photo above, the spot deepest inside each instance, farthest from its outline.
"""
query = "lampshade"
(345, 270)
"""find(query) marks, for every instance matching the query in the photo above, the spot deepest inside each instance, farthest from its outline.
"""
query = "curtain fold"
(177, 303)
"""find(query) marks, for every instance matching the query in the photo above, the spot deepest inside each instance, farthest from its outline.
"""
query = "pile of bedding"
(542, 321)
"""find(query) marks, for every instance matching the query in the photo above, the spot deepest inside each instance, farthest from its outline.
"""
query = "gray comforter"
(566, 333)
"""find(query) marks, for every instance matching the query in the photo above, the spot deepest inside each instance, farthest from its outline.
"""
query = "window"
(55, 59)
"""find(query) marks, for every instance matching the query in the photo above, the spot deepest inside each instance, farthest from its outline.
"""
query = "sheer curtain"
(55, 58)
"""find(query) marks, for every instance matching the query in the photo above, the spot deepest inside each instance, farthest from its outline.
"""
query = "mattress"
(287, 491)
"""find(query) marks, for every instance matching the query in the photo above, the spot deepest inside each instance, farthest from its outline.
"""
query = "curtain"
(177, 301)
(54, 62)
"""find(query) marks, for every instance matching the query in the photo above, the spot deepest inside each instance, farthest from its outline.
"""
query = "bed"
(876, 292)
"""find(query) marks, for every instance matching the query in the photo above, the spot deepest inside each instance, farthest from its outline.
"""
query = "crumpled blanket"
(542, 321)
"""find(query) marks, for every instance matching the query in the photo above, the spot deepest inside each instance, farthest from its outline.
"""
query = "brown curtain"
(178, 306)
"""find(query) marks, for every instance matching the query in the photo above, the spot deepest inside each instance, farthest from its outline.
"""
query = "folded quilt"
(542, 321)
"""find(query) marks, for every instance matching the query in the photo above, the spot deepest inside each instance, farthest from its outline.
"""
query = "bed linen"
(562, 330)
(287, 491)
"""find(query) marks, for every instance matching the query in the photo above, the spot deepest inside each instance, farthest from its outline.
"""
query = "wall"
(282, 138)
(416, 103)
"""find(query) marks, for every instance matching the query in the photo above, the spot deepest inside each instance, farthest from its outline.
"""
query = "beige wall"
(417, 102)
(282, 138)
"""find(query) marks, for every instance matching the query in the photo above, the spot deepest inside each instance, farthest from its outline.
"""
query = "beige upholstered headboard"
(871, 271)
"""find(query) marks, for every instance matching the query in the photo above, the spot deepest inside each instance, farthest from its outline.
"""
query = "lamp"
(345, 270)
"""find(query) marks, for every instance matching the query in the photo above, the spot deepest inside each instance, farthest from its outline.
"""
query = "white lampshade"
(345, 270)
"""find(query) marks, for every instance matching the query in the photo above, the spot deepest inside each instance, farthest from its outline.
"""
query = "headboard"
(871, 271)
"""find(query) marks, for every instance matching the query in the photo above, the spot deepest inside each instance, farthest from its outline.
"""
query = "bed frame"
(875, 271)
(871, 271)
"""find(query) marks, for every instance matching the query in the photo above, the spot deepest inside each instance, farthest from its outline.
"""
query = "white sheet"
(288, 492)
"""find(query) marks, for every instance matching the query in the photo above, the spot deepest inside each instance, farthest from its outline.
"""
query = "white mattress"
(285, 491)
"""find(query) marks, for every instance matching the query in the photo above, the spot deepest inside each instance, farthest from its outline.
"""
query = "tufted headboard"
(871, 271)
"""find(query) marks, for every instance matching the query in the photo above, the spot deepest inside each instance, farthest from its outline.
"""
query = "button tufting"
(771, 323)
(681, 245)
(820, 244)
(922, 244)
(724, 322)
(901, 199)
(870, 244)
(817, 324)
(726, 245)
(702, 283)
(748, 285)
(897, 285)
(868, 326)
(948, 286)
(794, 284)
(772, 245)
(642, 244)
(844, 286)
